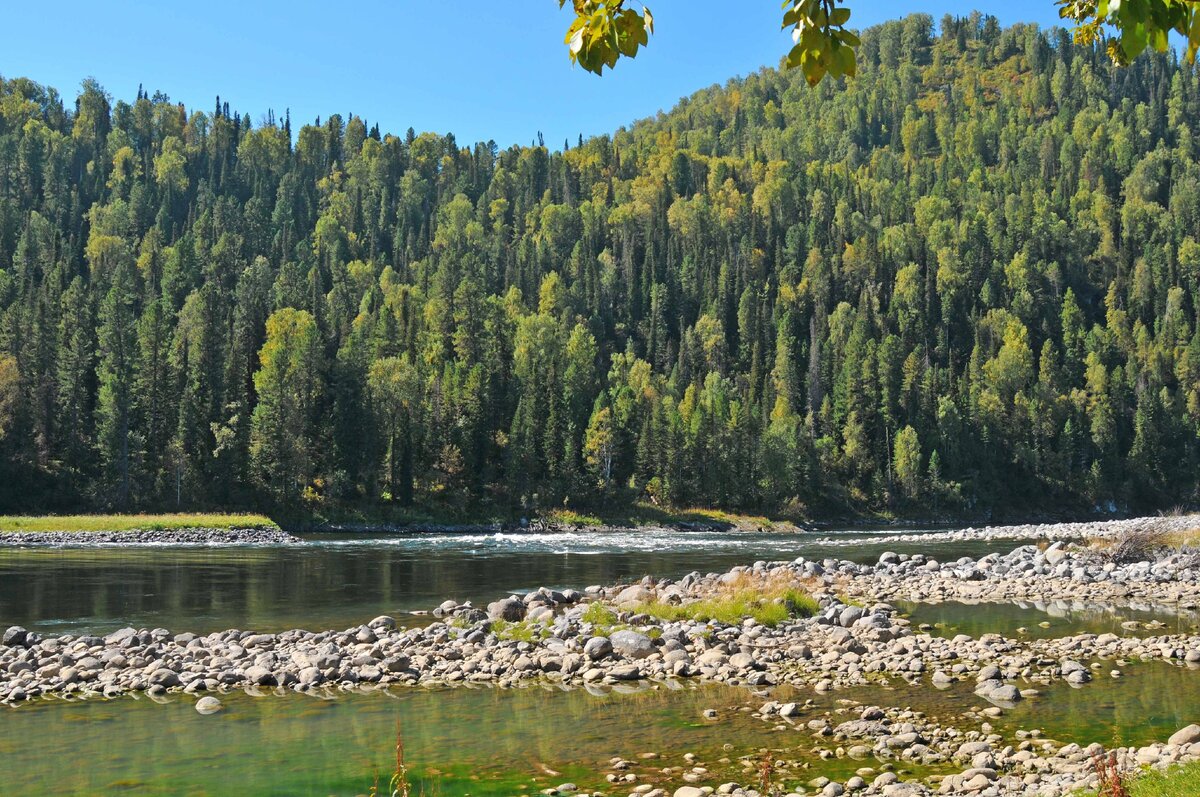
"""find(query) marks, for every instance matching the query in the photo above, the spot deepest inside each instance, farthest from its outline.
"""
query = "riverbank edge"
(287, 534)
(198, 536)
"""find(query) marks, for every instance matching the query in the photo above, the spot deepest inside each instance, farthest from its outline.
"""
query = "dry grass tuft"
(770, 601)
(1138, 545)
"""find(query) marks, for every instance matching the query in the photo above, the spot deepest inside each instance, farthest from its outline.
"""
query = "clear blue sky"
(443, 65)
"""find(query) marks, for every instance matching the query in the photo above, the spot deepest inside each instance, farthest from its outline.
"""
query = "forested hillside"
(968, 278)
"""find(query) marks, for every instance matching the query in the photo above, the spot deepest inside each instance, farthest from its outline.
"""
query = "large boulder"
(631, 644)
(598, 647)
(14, 637)
(168, 679)
(635, 594)
(1188, 735)
(260, 676)
(1055, 554)
(510, 609)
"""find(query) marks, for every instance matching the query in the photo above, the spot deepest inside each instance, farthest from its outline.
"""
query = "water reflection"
(331, 582)
(1050, 619)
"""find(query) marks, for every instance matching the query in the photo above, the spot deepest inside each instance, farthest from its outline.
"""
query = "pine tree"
(118, 356)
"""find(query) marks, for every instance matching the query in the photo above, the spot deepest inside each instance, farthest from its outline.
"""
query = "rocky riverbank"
(181, 536)
(1089, 530)
(657, 630)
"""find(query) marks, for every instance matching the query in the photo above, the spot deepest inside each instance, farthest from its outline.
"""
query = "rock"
(208, 705)
(14, 637)
(1148, 755)
(1005, 693)
(260, 676)
(510, 609)
(258, 641)
(1188, 735)
(1055, 554)
(850, 615)
(598, 648)
(989, 673)
(631, 644)
(635, 594)
(167, 679)
(626, 672)
(383, 621)
(688, 791)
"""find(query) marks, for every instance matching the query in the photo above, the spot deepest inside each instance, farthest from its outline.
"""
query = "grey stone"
(168, 679)
(631, 644)
(14, 637)
(1188, 735)
(597, 648)
(634, 594)
(510, 609)
(208, 705)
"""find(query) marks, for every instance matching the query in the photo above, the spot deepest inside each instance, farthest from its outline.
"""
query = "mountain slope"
(967, 279)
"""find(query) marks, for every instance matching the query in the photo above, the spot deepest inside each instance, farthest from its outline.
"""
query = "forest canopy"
(967, 279)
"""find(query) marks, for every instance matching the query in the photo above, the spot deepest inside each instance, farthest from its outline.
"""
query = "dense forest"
(968, 278)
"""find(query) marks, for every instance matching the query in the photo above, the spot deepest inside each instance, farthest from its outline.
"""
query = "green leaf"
(1133, 41)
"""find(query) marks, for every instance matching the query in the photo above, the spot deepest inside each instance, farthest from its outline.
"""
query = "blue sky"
(444, 65)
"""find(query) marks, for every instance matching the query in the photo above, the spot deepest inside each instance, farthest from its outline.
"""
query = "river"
(458, 741)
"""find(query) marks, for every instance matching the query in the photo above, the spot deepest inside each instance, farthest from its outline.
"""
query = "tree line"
(967, 279)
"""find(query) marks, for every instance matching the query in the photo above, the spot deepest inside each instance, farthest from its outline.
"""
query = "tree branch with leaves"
(604, 31)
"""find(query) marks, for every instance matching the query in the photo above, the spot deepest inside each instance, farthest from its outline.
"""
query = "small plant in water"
(398, 786)
(1110, 780)
(766, 772)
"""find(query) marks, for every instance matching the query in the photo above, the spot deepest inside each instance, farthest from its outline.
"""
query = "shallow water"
(1048, 619)
(510, 740)
(339, 581)
(504, 742)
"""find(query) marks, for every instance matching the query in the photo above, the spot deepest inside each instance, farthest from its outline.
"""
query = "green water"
(1061, 618)
(458, 741)
(506, 742)
(1147, 704)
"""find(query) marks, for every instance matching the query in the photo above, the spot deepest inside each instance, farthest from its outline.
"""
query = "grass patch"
(1184, 539)
(523, 631)
(622, 512)
(599, 615)
(1180, 781)
(647, 514)
(768, 602)
(25, 524)
(569, 517)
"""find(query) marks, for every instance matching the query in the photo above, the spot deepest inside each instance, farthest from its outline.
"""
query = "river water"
(336, 582)
(463, 741)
